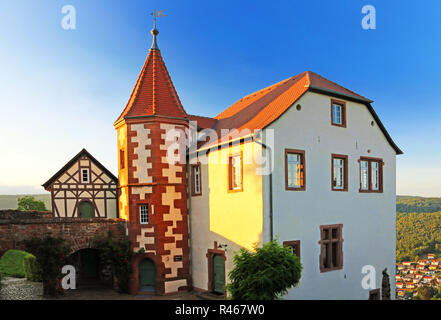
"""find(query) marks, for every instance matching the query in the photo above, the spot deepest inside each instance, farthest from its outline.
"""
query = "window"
(371, 175)
(235, 173)
(294, 169)
(196, 180)
(338, 113)
(144, 214)
(85, 176)
(331, 247)
(294, 245)
(339, 170)
(121, 159)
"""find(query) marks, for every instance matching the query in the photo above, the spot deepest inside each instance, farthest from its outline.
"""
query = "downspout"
(270, 184)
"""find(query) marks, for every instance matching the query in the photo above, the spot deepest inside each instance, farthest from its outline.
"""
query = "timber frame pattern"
(68, 191)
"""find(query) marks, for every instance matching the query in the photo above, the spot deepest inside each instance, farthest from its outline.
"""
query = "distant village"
(412, 275)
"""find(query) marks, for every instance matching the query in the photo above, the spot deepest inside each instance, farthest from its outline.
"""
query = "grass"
(11, 263)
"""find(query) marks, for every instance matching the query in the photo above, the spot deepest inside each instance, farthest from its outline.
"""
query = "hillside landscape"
(10, 201)
(418, 227)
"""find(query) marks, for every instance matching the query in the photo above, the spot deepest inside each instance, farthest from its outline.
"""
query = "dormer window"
(338, 113)
(85, 176)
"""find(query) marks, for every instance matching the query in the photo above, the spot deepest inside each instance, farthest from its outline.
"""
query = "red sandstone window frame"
(342, 104)
(295, 245)
(345, 171)
(337, 241)
(193, 181)
(230, 172)
(370, 160)
(301, 153)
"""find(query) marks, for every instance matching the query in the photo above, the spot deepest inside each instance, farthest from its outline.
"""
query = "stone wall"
(17, 226)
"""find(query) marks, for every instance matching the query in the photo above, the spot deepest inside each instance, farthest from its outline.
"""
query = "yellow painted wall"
(123, 199)
(236, 216)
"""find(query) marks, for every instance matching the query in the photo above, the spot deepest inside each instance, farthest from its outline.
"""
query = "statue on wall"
(385, 286)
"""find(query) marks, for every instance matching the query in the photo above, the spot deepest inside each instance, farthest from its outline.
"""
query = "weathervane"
(157, 14)
(155, 32)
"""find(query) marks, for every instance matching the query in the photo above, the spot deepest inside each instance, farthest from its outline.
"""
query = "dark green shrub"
(11, 263)
(52, 254)
(118, 254)
(265, 274)
(32, 269)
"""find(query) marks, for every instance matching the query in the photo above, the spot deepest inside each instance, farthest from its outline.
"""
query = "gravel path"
(20, 289)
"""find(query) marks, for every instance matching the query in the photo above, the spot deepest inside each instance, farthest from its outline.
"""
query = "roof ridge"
(338, 85)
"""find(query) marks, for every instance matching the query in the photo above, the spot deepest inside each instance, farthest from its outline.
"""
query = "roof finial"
(155, 32)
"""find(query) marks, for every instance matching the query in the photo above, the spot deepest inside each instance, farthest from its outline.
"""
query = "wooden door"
(86, 210)
(218, 274)
(146, 275)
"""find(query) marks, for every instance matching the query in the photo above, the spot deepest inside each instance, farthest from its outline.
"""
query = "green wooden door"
(86, 210)
(146, 275)
(218, 274)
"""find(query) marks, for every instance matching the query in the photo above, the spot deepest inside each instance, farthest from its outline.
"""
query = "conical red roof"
(154, 92)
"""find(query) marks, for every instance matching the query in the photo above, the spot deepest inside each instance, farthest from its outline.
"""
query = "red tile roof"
(258, 110)
(154, 92)
(203, 122)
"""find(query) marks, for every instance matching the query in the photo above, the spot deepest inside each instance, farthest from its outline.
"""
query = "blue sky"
(61, 90)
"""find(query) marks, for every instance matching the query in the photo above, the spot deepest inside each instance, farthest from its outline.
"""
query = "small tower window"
(121, 159)
(144, 214)
(85, 176)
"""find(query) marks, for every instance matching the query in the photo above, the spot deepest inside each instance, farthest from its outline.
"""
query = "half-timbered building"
(83, 188)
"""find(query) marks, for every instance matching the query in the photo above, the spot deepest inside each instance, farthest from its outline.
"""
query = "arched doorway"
(88, 267)
(146, 275)
(218, 274)
(86, 210)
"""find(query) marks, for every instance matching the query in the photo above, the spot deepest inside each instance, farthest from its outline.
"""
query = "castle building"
(304, 160)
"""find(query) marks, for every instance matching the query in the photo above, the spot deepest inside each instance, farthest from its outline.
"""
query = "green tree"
(265, 274)
(426, 292)
(52, 254)
(28, 203)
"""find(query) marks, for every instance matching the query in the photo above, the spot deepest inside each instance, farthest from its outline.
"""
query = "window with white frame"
(144, 214)
(85, 176)
(337, 114)
(371, 175)
(339, 172)
(364, 175)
